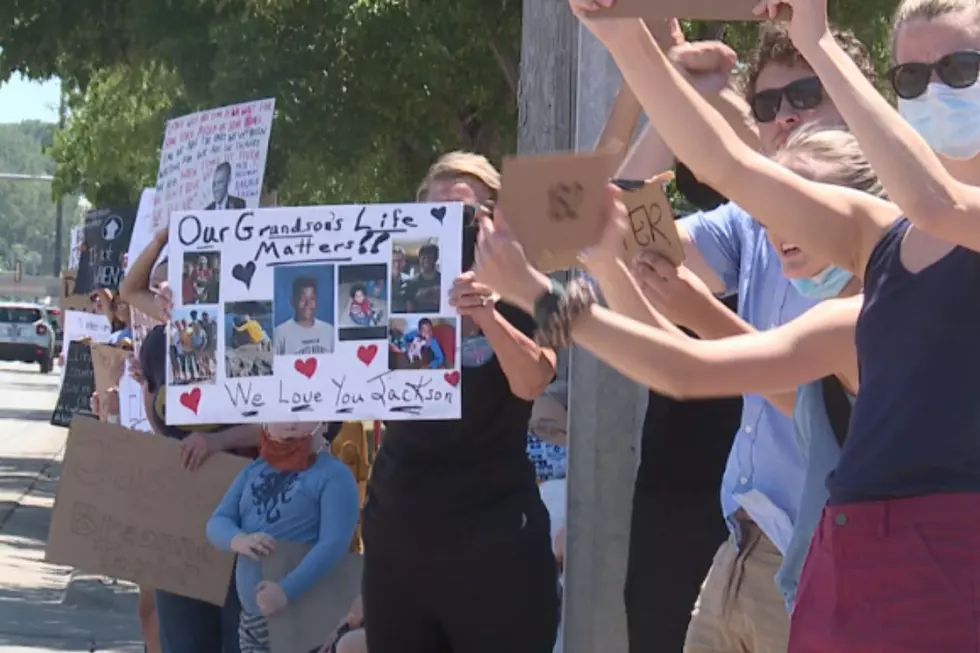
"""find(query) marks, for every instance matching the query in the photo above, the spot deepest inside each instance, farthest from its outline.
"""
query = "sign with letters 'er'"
(127, 508)
(315, 313)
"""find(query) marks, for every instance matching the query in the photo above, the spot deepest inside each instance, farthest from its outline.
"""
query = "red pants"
(899, 576)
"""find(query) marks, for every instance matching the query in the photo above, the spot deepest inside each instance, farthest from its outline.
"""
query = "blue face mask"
(947, 118)
(825, 285)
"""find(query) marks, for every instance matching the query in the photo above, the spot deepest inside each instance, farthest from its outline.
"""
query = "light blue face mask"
(825, 285)
(947, 118)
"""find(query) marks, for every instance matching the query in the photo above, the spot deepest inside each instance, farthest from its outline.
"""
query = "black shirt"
(428, 469)
(915, 423)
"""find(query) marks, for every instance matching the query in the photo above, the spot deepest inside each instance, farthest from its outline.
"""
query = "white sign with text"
(314, 313)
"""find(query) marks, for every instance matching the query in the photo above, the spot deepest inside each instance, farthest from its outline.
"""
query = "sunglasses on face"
(803, 94)
(956, 70)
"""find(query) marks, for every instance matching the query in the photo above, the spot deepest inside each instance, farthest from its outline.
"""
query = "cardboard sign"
(306, 624)
(127, 508)
(108, 363)
(720, 10)
(288, 316)
(70, 301)
(555, 204)
(107, 232)
(651, 221)
(77, 385)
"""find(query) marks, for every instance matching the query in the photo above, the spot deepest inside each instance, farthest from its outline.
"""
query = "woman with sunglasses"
(892, 565)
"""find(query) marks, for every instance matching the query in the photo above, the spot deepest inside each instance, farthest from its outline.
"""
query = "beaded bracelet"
(557, 311)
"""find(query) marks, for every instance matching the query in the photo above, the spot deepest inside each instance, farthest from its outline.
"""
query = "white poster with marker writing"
(314, 313)
(81, 326)
(213, 160)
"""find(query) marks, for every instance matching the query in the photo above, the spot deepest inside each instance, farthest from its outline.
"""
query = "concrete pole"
(606, 413)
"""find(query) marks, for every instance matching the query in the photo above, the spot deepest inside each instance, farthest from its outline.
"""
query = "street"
(46, 607)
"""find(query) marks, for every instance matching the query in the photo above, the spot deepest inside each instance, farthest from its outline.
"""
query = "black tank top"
(915, 428)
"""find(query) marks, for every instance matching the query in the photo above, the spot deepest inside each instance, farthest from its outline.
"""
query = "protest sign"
(555, 204)
(108, 363)
(128, 509)
(72, 301)
(77, 384)
(75, 241)
(306, 623)
(284, 314)
(106, 233)
(90, 327)
(650, 225)
(721, 10)
(213, 160)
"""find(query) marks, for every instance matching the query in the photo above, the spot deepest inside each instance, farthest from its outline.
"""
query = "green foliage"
(27, 212)
(368, 92)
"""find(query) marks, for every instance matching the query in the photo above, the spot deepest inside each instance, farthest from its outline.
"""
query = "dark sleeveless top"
(915, 428)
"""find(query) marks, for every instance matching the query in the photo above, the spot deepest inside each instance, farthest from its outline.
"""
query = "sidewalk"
(48, 608)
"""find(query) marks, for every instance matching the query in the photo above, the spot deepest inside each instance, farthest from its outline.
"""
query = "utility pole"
(59, 211)
(567, 86)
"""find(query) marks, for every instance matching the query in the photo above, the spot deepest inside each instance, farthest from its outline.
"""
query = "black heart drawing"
(244, 273)
(438, 213)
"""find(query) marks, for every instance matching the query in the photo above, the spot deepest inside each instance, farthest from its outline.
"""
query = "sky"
(24, 100)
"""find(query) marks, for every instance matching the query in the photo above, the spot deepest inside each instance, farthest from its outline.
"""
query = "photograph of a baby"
(362, 305)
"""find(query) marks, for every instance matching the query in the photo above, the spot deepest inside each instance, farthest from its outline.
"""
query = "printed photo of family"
(416, 281)
(248, 348)
(200, 278)
(304, 309)
(422, 343)
(193, 345)
(363, 306)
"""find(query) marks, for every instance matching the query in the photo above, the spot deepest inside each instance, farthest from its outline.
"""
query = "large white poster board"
(314, 313)
(213, 160)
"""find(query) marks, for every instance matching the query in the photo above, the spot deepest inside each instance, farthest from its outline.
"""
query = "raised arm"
(836, 223)
(339, 503)
(135, 286)
(915, 178)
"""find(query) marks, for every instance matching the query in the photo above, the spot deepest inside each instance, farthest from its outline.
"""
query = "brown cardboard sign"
(69, 301)
(651, 224)
(128, 509)
(721, 10)
(307, 623)
(108, 362)
(555, 203)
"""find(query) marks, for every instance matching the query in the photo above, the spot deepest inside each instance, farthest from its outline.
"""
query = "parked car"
(26, 334)
(54, 317)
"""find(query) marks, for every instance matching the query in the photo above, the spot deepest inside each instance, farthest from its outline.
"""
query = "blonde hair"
(929, 10)
(830, 155)
(461, 165)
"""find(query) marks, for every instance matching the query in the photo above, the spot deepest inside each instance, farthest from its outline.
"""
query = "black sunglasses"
(803, 94)
(956, 70)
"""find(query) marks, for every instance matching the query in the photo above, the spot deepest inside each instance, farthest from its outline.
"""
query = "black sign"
(78, 385)
(106, 239)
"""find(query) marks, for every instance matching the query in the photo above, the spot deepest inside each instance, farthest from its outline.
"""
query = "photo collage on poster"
(314, 313)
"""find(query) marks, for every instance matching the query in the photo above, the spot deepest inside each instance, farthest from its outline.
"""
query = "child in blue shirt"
(294, 491)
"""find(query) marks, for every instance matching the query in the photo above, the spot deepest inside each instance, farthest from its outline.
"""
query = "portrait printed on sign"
(421, 343)
(304, 323)
(202, 273)
(362, 311)
(416, 276)
(193, 343)
(213, 160)
(305, 303)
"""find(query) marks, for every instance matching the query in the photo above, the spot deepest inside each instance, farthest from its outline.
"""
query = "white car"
(26, 334)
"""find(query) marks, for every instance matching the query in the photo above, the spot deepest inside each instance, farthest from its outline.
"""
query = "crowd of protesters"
(849, 234)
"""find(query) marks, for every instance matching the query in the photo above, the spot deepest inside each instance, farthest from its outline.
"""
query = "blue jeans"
(191, 626)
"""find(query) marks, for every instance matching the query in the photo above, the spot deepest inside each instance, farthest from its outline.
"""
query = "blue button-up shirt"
(765, 469)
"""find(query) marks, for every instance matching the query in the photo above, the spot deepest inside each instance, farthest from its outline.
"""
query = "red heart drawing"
(367, 354)
(190, 400)
(307, 368)
(452, 378)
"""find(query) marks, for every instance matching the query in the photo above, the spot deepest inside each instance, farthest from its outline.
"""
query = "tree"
(368, 91)
(27, 211)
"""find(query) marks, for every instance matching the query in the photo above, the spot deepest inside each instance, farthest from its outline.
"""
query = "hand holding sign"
(502, 265)
(673, 290)
(809, 22)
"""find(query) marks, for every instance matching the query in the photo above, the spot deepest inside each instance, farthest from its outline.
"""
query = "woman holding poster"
(458, 555)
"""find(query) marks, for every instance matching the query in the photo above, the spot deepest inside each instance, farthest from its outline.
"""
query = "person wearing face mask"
(295, 491)
(457, 544)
